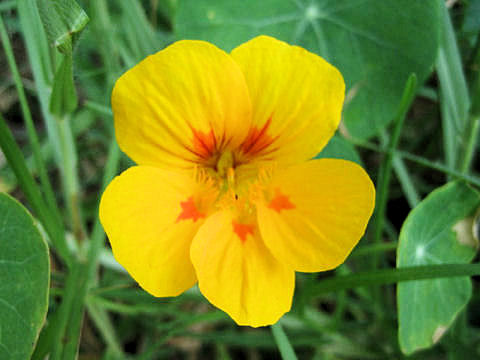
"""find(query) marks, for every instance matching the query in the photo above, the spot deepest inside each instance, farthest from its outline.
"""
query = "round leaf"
(340, 148)
(24, 278)
(375, 44)
(438, 231)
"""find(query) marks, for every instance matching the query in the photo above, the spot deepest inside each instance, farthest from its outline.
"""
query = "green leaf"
(24, 275)
(375, 44)
(63, 21)
(471, 24)
(64, 96)
(339, 148)
(438, 231)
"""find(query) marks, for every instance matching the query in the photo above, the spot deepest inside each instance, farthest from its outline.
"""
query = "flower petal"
(315, 213)
(151, 216)
(296, 96)
(180, 105)
(237, 273)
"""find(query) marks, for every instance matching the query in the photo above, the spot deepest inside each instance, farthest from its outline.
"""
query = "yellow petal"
(151, 216)
(179, 106)
(296, 97)
(315, 213)
(237, 273)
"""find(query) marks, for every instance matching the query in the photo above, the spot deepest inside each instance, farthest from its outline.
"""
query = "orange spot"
(280, 202)
(257, 139)
(189, 211)
(242, 230)
(204, 144)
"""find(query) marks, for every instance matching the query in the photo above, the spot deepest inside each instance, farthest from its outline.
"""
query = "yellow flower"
(224, 193)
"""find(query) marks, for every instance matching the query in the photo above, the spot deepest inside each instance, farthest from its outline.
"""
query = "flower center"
(225, 170)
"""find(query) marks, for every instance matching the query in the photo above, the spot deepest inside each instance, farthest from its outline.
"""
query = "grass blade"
(284, 346)
(454, 98)
(29, 187)
(386, 167)
(32, 135)
(391, 276)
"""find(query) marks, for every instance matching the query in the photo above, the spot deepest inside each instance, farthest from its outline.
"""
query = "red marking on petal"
(204, 144)
(242, 230)
(280, 202)
(257, 139)
(189, 211)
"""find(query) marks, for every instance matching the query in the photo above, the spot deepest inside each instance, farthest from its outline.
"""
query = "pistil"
(225, 170)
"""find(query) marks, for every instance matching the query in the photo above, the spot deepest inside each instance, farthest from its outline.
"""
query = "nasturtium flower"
(225, 192)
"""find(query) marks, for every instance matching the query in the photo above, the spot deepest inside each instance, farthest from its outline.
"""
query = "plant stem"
(58, 128)
(89, 270)
(405, 180)
(283, 344)
(391, 276)
(374, 248)
(68, 168)
(105, 327)
(386, 167)
(419, 160)
(472, 136)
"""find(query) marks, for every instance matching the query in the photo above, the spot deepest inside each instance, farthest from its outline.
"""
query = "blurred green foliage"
(96, 311)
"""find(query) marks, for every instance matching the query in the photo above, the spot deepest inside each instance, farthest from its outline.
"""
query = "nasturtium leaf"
(24, 279)
(438, 231)
(375, 44)
(471, 23)
(339, 148)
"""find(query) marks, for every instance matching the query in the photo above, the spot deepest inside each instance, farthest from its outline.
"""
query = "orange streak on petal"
(204, 144)
(280, 202)
(257, 139)
(189, 211)
(242, 230)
